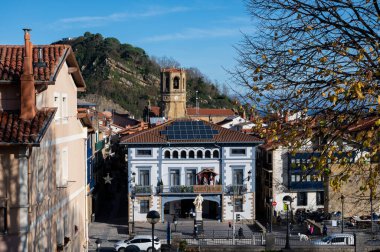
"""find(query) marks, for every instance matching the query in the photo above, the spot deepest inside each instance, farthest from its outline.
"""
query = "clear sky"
(196, 33)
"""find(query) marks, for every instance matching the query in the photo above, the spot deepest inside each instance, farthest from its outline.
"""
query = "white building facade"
(169, 165)
(280, 174)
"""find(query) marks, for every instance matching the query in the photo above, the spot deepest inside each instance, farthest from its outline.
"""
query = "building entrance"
(185, 209)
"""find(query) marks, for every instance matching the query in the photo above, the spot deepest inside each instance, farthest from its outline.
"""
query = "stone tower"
(173, 93)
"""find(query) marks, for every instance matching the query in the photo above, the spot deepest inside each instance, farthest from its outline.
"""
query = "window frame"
(320, 198)
(178, 172)
(64, 108)
(57, 104)
(144, 155)
(238, 208)
(140, 171)
(65, 165)
(304, 201)
(144, 209)
(232, 150)
(234, 171)
(191, 171)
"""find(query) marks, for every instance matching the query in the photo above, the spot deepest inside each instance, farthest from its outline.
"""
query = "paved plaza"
(110, 232)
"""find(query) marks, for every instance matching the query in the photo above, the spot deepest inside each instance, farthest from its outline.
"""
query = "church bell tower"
(173, 93)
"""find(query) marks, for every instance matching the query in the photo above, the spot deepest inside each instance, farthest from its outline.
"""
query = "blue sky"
(196, 33)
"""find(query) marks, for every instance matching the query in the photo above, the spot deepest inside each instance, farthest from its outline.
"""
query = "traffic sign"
(274, 203)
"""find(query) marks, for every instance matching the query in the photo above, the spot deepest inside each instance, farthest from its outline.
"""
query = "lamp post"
(287, 201)
(270, 215)
(133, 197)
(342, 221)
(153, 217)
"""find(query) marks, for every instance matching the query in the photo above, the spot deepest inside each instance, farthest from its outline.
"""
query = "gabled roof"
(124, 120)
(16, 131)
(155, 136)
(53, 57)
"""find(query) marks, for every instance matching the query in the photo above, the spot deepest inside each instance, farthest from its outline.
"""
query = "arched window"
(167, 154)
(191, 154)
(208, 154)
(215, 154)
(176, 83)
(183, 154)
(199, 154)
(167, 82)
(175, 154)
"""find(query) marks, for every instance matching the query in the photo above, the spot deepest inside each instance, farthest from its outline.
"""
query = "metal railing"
(138, 190)
(191, 189)
(235, 189)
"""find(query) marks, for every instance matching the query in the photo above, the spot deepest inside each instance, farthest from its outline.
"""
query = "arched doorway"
(184, 209)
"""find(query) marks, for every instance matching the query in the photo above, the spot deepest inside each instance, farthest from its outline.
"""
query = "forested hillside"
(121, 74)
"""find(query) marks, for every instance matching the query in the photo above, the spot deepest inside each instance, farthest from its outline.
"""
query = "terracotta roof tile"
(153, 136)
(208, 112)
(155, 110)
(12, 57)
(14, 130)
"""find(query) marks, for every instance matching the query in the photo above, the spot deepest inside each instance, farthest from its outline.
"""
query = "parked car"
(143, 242)
(336, 239)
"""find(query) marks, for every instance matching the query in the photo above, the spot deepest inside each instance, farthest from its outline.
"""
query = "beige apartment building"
(42, 150)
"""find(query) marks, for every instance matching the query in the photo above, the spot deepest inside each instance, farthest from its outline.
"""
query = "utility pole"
(196, 103)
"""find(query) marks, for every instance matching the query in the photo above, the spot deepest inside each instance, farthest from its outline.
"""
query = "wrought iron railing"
(190, 189)
(235, 189)
(142, 189)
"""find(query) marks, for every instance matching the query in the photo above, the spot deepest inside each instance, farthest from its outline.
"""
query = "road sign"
(274, 203)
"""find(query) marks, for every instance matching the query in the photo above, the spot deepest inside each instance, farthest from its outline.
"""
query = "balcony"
(142, 190)
(306, 186)
(235, 189)
(191, 189)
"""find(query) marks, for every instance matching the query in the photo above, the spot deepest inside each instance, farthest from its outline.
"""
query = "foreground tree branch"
(319, 58)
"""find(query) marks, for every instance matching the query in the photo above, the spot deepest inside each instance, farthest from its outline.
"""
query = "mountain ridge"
(123, 77)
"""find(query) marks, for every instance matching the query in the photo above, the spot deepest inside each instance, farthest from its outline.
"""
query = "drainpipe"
(85, 196)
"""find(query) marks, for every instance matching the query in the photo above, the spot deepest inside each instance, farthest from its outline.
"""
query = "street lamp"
(287, 201)
(153, 217)
(133, 197)
(270, 215)
(342, 199)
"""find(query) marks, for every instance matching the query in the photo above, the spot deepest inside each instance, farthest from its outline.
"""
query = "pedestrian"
(291, 226)
(311, 229)
(308, 228)
(324, 230)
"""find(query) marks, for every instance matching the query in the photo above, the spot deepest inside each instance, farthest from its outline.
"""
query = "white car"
(336, 239)
(143, 242)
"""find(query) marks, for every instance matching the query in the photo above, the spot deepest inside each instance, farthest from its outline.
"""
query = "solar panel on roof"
(189, 130)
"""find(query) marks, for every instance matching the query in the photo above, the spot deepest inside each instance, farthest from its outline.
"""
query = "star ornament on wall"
(107, 179)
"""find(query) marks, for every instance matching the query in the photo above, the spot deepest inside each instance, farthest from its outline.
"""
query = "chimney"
(27, 89)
